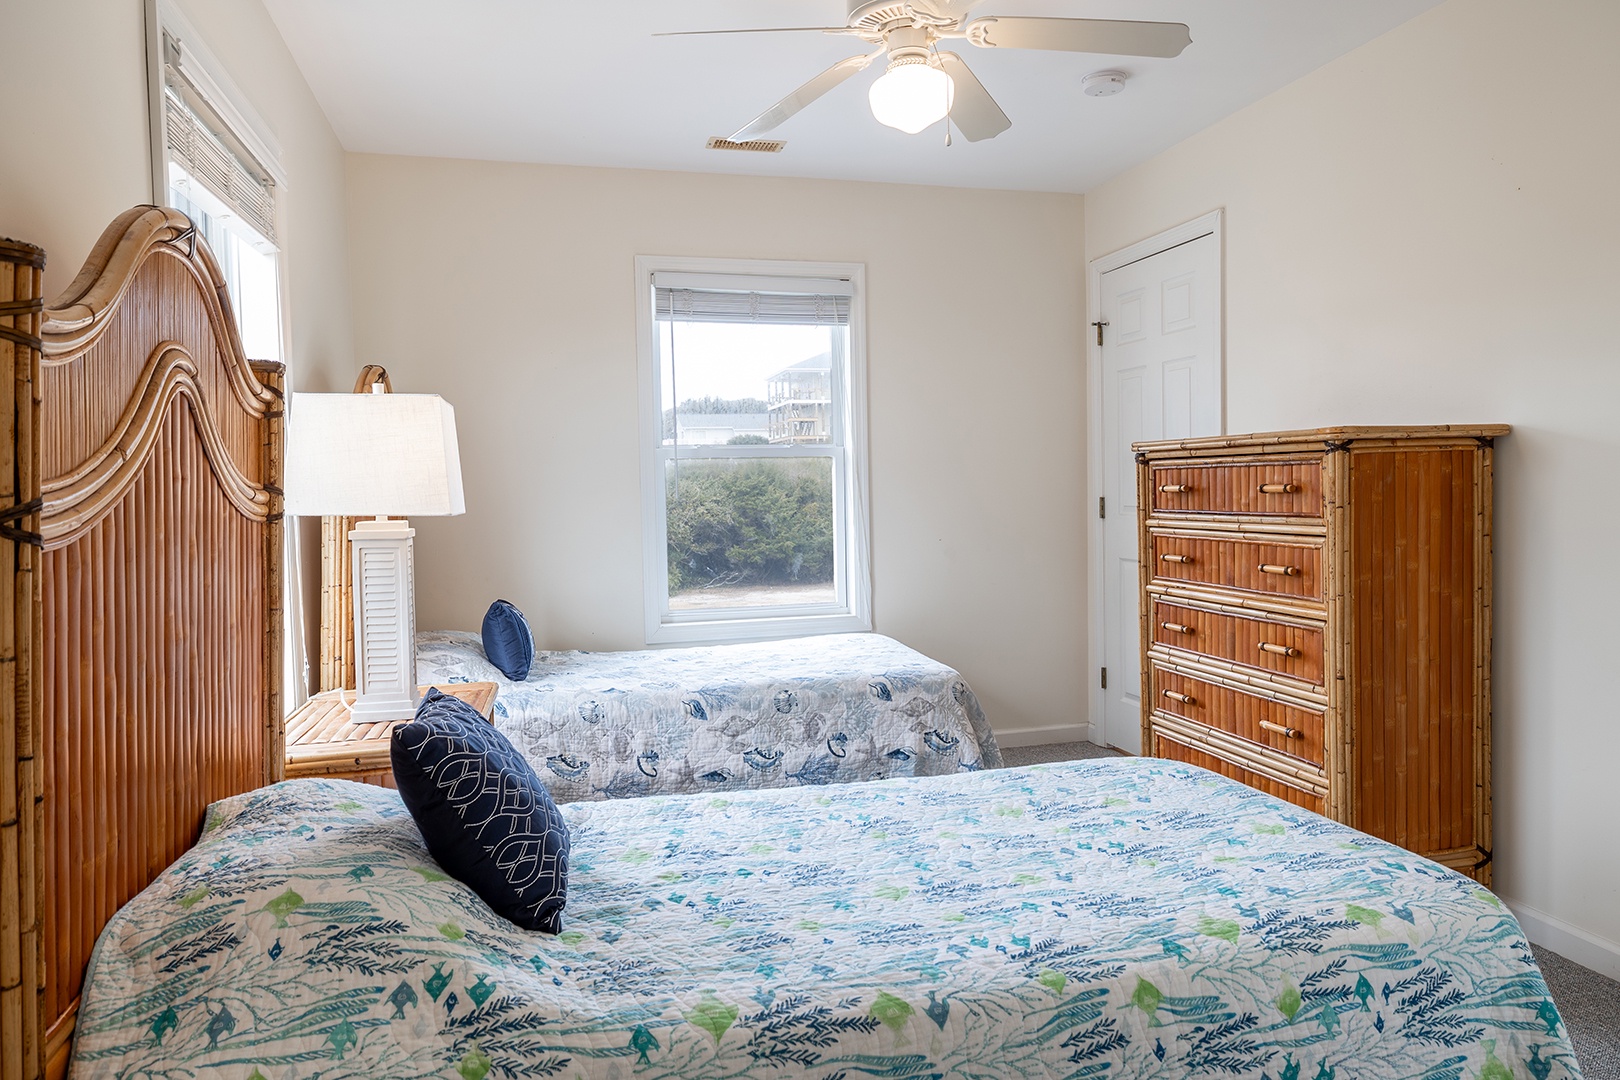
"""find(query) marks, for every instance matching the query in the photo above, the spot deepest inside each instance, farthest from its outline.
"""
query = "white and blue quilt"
(805, 711)
(1119, 919)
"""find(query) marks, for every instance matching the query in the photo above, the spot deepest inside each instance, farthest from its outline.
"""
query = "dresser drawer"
(1271, 567)
(1290, 487)
(1167, 744)
(1279, 648)
(1287, 729)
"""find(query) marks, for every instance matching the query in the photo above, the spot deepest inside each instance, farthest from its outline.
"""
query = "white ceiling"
(587, 84)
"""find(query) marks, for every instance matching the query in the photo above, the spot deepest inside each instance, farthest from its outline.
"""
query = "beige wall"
(510, 290)
(76, 153)
(74, 127)
(1421, 232)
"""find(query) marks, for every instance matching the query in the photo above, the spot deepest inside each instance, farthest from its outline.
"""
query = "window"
(753, 441)
(214, 174)
(248, 259)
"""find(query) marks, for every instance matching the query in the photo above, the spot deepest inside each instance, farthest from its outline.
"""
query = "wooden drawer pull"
(1185, 699)
(1184, 560)
(1175, 489)
(1177, 628)
(1278, 650)
(1281, 571)
(1289, 732)
(1278, 489)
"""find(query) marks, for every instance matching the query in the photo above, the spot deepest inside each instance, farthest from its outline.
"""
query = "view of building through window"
(753, 463)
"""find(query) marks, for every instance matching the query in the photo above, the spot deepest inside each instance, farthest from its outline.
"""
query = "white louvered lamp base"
(384, 621)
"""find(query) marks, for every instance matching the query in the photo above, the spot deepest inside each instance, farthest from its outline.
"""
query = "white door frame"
(1209, 224)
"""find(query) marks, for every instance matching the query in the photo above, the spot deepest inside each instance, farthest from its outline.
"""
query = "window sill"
(762, 628)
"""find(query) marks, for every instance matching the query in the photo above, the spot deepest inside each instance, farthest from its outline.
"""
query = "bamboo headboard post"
(337, 573)
(273, 448)
(22, 964)
(144, 634)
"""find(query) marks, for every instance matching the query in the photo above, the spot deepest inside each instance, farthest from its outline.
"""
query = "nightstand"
(322, 742)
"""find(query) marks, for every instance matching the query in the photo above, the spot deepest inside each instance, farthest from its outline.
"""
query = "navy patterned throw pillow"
(486, 817)
(507, 640)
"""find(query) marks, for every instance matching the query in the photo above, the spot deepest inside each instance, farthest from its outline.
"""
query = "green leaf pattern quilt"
(1117, 919)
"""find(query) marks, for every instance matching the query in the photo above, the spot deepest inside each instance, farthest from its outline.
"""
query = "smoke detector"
(1103, 83)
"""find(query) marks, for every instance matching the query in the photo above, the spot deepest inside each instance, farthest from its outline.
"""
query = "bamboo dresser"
(1316, 623)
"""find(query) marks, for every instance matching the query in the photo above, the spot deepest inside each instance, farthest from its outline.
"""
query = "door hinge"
(1102, 506)
(1105, 678)
(1099, 325)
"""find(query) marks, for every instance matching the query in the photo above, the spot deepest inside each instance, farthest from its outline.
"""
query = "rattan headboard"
(158, 636)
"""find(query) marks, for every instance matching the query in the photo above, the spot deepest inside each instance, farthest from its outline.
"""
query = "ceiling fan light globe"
(912, 96)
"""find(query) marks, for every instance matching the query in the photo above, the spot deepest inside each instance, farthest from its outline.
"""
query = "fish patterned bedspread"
(1129, 918)
(815, 710)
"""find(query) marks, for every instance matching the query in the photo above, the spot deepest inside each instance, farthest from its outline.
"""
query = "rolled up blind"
(204, 154)
(792, 301)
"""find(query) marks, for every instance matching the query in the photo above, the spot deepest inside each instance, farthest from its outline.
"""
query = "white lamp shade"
(911, 96)
(373, 455)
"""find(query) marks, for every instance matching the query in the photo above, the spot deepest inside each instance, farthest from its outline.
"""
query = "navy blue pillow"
(487, 819)
(507, 641)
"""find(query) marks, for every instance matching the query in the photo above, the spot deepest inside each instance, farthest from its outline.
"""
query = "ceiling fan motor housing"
(877, 16)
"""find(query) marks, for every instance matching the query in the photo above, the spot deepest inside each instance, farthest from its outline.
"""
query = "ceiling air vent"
(758, 146)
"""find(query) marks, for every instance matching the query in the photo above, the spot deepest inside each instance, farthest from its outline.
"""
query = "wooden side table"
(322, 742)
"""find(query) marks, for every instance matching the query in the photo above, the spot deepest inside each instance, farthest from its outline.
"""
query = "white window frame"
(204, 71)
(851, 514)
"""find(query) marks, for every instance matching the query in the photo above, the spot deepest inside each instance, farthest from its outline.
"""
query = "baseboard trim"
(1571, 942)
(1037, 736)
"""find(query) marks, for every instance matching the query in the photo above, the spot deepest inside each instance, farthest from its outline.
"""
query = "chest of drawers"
(1316, 622)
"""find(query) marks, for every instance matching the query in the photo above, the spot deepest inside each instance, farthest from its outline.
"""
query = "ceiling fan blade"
(804, 95)
(973, 111)
(761, 30)
(1081, 35)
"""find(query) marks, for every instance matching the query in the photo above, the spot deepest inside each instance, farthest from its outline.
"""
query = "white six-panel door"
(1161, 379)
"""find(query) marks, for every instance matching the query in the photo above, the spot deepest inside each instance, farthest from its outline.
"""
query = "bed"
(805, 711)
(1111, 919)
(1118, 919)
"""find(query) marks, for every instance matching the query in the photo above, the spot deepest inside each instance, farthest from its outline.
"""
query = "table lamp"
(370, 456)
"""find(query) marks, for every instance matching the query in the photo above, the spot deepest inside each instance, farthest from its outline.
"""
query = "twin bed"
(1094, 919)
(806, 711)
(1112, 919)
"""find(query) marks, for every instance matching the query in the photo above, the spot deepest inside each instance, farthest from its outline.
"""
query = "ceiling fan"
(924, 84)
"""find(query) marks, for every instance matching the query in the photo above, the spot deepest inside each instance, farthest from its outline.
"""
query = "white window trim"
(231, 105)
(204, 71)
(852, 519)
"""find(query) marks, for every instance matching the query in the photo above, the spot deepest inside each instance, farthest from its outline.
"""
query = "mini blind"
(204, 154)
(800, 302)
